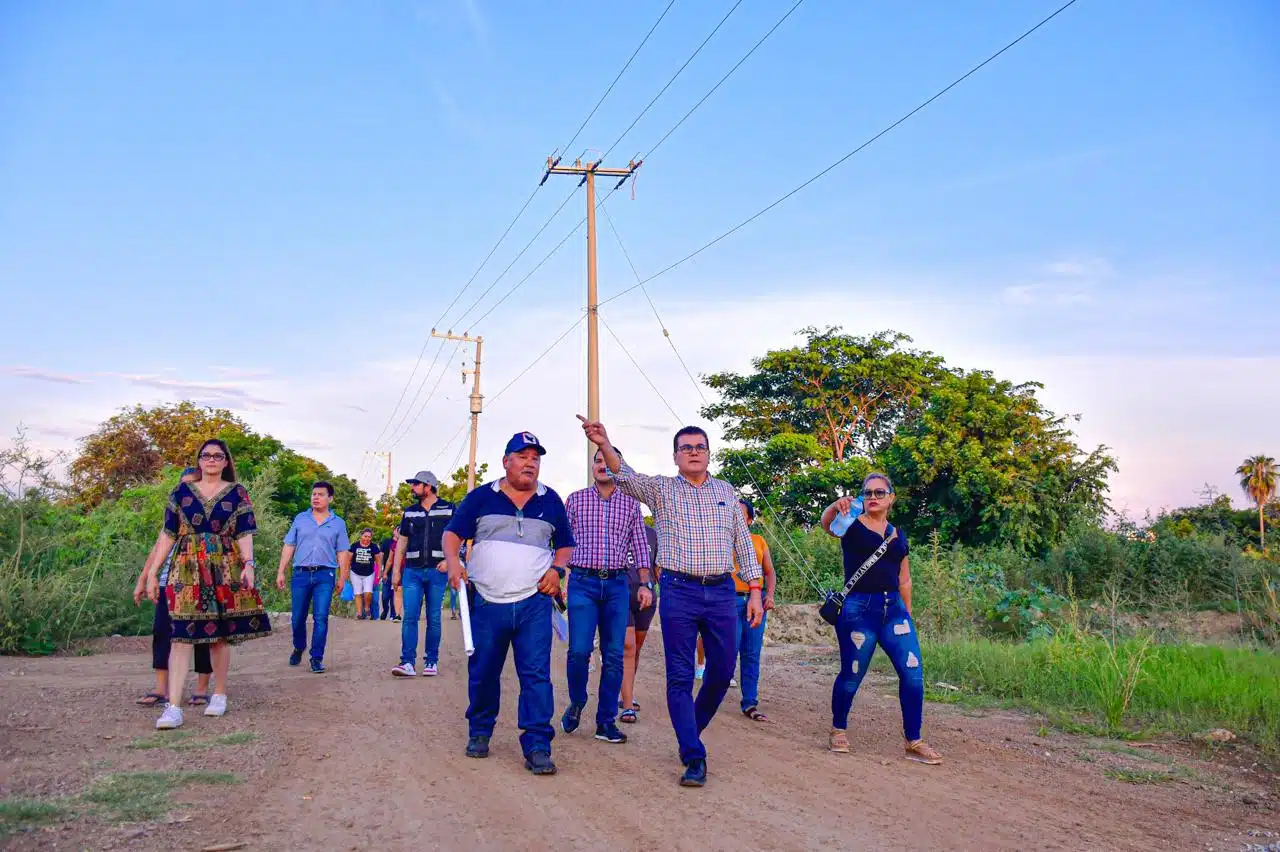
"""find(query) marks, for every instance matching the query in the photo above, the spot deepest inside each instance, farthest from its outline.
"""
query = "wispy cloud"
(1062, 283)
(207, 393)
(479, 26)
(241, 373)
(453, 116)
(48, 376)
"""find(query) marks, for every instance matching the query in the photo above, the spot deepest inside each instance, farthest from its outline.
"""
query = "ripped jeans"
(880, 618)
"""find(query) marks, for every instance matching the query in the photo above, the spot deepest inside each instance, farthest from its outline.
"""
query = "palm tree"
(1258, 478)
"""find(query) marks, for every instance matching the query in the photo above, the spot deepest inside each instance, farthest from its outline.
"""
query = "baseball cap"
(523, 440)
(426, 477)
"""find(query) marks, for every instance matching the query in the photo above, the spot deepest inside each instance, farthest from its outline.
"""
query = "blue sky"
(266, 206)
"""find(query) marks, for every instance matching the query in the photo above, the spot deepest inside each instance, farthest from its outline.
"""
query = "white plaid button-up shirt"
(700, 528)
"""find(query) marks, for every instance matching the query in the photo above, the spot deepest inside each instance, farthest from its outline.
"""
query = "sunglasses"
(875, 493)
(690, 449)
(213, 457)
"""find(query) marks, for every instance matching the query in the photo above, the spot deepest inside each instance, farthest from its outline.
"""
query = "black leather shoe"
(695, 774)
(539, 763)
(295, 658)
(478, 747)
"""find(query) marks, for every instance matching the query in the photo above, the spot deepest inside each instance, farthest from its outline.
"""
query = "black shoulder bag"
(833, 602)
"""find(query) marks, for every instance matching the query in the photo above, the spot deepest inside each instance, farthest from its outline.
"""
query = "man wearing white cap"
(420, 569)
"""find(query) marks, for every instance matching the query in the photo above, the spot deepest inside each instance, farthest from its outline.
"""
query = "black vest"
(424, 533)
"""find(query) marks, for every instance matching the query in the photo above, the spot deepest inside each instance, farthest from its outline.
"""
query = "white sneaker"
(404, 670)
(217, 705)
(429, 670)
(171, 718)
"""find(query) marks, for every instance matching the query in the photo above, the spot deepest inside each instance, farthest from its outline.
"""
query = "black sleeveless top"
(858, 543)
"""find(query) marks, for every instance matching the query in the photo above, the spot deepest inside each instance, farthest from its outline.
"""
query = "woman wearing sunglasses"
(210, 589)
(877, 611)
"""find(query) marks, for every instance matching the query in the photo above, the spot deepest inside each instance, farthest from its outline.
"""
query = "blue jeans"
(606, 604)
(312, 591)
(525, 628)
(880, 618)
(388, 599)
(690, 609)
(750, 642)
(422, 584)
(453, 599)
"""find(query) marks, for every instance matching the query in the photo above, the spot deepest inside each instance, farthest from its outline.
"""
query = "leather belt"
(712, 580)
(598, 573)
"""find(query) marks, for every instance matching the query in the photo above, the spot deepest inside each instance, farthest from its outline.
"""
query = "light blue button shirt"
(317, 545)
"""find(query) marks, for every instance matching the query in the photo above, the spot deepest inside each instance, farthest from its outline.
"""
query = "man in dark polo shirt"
(522, 544)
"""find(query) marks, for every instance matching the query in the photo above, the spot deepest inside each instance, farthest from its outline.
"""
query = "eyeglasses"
(690, 449)
(875, 493)
(213, 457)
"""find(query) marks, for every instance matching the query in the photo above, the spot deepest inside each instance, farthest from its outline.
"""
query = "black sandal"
(754, 714)
(198, 700)
(151, 699)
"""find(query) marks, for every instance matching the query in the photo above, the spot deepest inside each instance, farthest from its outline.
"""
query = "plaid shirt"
(609, 532)
(700, 528)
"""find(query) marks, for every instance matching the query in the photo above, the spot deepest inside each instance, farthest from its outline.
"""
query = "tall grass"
(67, 576)
(1129, 683)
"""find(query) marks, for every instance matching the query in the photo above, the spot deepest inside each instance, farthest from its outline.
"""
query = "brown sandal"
(921, 752)
(838, 741)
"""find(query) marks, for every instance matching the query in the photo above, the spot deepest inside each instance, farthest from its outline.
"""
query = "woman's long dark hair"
(228, 472)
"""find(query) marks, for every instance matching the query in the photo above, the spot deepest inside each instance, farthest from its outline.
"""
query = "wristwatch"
(649, 585)
(559, 571)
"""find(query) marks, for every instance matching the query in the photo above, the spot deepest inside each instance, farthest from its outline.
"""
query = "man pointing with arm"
(700, 530)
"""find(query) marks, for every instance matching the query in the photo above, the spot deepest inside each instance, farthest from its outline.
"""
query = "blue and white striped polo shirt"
(512, 547)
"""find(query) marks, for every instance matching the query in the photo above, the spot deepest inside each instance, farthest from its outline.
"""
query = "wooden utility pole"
(477, 401)
(588, 172)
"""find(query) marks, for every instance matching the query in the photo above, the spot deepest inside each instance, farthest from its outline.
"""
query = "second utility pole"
(588, 172)
(477, 401)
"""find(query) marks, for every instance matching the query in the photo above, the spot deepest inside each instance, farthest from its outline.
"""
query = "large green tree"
(135, 444)
(1258, 477)
(134, 447)
(986, 463)
(850, 393)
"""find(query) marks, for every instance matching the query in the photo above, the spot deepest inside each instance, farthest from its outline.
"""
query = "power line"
(634, 53)
(679, 71)
(506, 231)
(783, 541)
(535, 361)
(729, 74)
(401, 436)
(545, 258)
(975, 69)
(664, 138)
(645, 290)
(527, 246)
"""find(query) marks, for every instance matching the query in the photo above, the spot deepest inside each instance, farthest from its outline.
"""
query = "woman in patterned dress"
(210, 590)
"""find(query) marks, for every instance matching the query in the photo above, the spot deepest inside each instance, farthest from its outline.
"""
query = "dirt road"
(354, 759)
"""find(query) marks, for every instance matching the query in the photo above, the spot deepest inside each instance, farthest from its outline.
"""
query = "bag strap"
(870, 562)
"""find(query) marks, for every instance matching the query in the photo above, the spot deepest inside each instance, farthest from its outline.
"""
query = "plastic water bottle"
(842, 522)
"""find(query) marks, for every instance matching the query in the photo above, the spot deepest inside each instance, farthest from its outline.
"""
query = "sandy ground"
(355, 759)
